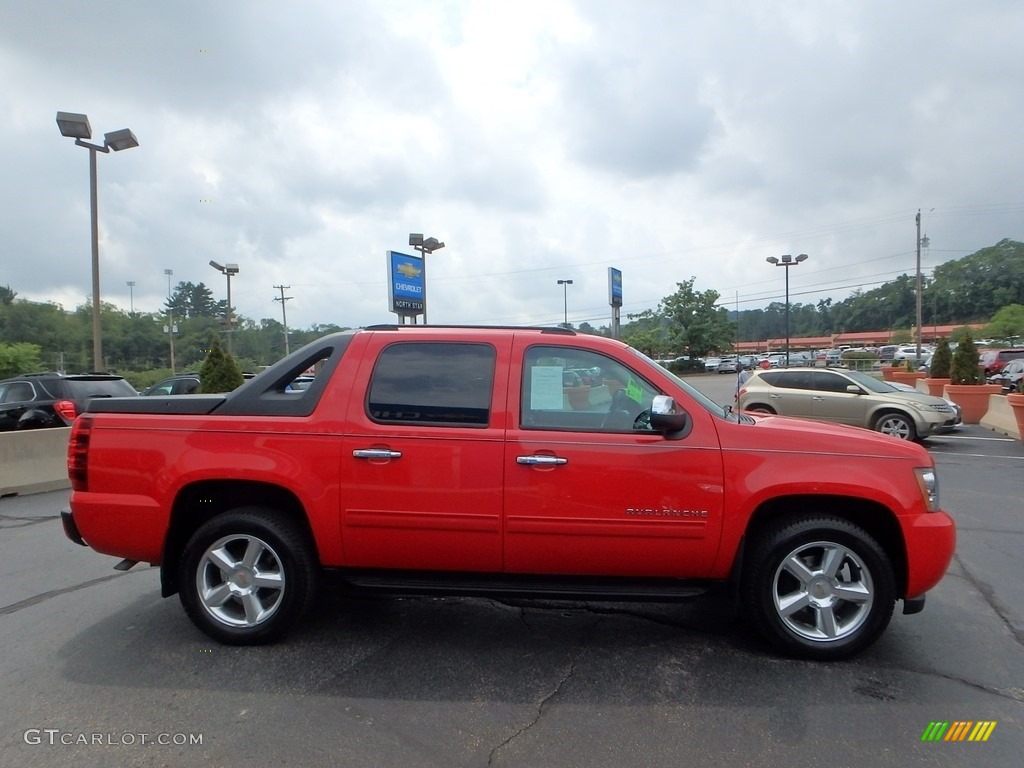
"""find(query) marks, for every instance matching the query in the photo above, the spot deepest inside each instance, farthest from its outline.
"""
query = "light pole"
(170, 316)
(429, 245)
(565, 301)
(922, 242)
(228, 270)
(76, 126)
(131, 296)
(787, 261)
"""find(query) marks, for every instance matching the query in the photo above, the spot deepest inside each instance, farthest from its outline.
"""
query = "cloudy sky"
(539, 140)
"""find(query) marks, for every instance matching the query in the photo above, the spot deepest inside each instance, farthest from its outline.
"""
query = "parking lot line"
(970, 437)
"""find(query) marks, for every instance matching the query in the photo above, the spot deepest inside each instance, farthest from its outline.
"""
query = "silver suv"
(846, 397)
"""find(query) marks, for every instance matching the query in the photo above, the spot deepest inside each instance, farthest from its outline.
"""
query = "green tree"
(191, 300)
(694, 325)
(964, 368)
(977, 286)
(220, 372)
(19, 358)
(1007, 323)
(941, 361)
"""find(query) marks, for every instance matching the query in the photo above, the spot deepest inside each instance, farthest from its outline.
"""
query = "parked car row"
(993, 360)
(38, 400)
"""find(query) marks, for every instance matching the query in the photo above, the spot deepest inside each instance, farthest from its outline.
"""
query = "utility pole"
(284, 314)
(170, 316)
(918, 289)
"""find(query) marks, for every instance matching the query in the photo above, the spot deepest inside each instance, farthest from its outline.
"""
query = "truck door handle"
(542, 461)
(376, 453)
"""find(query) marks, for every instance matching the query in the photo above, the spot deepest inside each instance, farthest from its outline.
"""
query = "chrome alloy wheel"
(896, 425)
(822, 591)
(240, 580)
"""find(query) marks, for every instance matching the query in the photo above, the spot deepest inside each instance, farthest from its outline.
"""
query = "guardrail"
(34, 461)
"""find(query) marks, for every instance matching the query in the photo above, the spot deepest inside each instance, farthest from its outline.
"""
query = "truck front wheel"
(819, 588)
(246, 576)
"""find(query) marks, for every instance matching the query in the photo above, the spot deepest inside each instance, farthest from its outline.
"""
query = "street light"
(565, 301)
(429, 245)
(787, 261)
(228, 270)
(170, 316)
(77, 127)
(922, 242)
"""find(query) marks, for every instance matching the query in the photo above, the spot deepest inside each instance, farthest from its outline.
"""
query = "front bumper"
(931, 542)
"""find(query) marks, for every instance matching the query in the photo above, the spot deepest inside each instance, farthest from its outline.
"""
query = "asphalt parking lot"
(98, 670)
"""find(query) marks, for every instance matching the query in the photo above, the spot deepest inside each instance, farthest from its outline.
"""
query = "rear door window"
(789, 379)
(440, 383)
(825, 381)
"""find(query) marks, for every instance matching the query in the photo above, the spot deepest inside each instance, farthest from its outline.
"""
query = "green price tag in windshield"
(634, 392)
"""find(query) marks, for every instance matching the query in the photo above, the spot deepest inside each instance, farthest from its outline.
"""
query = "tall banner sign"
(405, 284)
(615, 297)
(615, 287)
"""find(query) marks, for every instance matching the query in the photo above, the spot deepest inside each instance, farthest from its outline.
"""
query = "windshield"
(703, 400)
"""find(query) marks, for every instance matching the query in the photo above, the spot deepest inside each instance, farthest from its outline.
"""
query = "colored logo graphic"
(408, 270)
(959, 730)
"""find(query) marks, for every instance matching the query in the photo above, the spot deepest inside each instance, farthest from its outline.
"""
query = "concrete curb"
(999, 417)
(34, 461)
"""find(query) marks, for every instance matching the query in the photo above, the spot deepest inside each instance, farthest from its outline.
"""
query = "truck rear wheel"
(247, 576)
(819, 588)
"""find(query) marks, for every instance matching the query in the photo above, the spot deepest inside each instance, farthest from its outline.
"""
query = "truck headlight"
(928, 482)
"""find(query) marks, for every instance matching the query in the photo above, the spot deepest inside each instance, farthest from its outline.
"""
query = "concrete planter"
(972, 398)
(908, 377)
(935, 386)
(1016, 402)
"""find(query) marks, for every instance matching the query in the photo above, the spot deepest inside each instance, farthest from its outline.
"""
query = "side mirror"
(853, 389)
(666, 420)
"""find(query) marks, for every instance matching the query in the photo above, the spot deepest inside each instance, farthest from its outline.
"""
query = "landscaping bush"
(220, 372)
(964, 367)
(941, 361)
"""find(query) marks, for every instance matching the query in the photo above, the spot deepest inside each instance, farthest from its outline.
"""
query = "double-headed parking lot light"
(565, 301)
(76, 126)
(787, 261)
(424, 246)
(228, 270)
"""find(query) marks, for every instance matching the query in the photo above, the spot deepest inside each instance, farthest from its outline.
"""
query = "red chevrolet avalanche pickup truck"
(442, 460)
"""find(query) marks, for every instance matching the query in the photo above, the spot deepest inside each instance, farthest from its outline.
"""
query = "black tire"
(818, 588)
(896, 425)
(763, 409)
(247, 576)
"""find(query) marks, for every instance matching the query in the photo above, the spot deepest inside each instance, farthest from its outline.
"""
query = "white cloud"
(539, 140)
